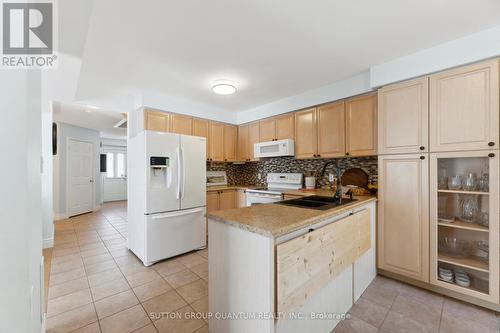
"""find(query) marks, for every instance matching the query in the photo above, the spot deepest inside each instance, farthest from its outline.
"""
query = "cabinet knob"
(491, 155)
(422, 148)
(346, 154)
(319, 155)
(491, 144)
(422, 157)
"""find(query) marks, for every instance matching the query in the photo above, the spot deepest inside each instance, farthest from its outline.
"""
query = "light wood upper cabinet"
(253, 138)
(201, 127)
(267, 129)
(230, 143)
(361, 125)
(285, 127)
(305, 134)
(403, 115)
(464, 108)
(243, 142)
(216, 141)
(403, 215)
(227, 199)
(331, 130)
(181, 124)
(156, 121)
(212, 201)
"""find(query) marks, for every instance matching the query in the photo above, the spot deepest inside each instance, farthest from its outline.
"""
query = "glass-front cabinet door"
(464, 218)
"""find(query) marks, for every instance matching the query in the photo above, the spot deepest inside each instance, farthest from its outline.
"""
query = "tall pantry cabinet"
(439, 180)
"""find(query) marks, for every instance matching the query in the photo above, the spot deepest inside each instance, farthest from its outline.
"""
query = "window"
(116, 165)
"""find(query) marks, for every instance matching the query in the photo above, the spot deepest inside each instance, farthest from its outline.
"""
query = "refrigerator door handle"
(183, 174)
(179, 213)
(179, 168)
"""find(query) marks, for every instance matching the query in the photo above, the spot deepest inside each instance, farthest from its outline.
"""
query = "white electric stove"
(277, 184)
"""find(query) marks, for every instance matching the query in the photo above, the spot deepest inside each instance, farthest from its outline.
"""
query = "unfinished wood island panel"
(216, 134)
(464, 108)
(201, 127)
(285, 127)
(305, 134)
(403, 115)
(156, 120)
(181, 124)
(308, 263)
(331, 130)
(361, 125)
(403, 215)
(230, 143)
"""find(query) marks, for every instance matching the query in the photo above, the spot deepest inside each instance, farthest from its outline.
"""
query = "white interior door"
(80, 174)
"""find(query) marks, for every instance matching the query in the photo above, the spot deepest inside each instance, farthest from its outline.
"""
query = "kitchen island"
(276, 268)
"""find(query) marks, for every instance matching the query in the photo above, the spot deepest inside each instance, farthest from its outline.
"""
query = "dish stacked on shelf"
(457, 276)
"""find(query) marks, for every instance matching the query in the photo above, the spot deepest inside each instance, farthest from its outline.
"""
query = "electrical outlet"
(331, 177)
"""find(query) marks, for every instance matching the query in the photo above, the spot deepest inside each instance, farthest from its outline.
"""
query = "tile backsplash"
(248, 173)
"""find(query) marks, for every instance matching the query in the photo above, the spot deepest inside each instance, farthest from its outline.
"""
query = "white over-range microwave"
(274, 148)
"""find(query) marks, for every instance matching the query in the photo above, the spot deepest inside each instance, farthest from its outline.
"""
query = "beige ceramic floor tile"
(126, 321)
(66, 266)
(68, 302)
(152, 289)
(203, 329)
(169, 267)
(201, 270)
(68, 287)
(116, 303)
(136, 279)
(355, 325)
(72, 320)
(185, 324)
(147, 329)
(193, 291)
(97, 259)
(100, 267)
(192, 259)
(66, 276)
(472, 313)
(92, 328)
(201, 305)
(109, 288)
(181, 278)
(396, 322)
(412, 309)
(170, 301)
(370, 312)
(106, 276)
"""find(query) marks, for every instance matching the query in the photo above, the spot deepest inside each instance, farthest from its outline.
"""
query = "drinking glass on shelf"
(470, 208)
(483, 219)
(443, 179)
(484, 182)
(470, 182)
(455, 182)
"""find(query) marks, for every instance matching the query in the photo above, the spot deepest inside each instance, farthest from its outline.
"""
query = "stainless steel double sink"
(317, 202)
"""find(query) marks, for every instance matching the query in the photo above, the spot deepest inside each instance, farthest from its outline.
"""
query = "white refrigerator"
(166, 195)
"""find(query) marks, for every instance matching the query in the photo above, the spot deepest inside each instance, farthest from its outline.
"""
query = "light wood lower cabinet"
(403, 215)
(220, 200)
(464, 108)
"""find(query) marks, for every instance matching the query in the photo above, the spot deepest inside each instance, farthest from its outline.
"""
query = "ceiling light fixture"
(88, 110)
(224, 87)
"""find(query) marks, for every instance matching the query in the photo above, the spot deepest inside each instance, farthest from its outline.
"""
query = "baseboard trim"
(97, 208)
(48, 243)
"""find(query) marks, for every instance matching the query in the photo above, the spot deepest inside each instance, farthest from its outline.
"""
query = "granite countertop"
(274, 220)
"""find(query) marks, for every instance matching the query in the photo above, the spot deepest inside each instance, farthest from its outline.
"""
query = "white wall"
(47, 173)
(113, 189)
(20, 197)
(349, 87)
(482, 45)
(66, 131)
